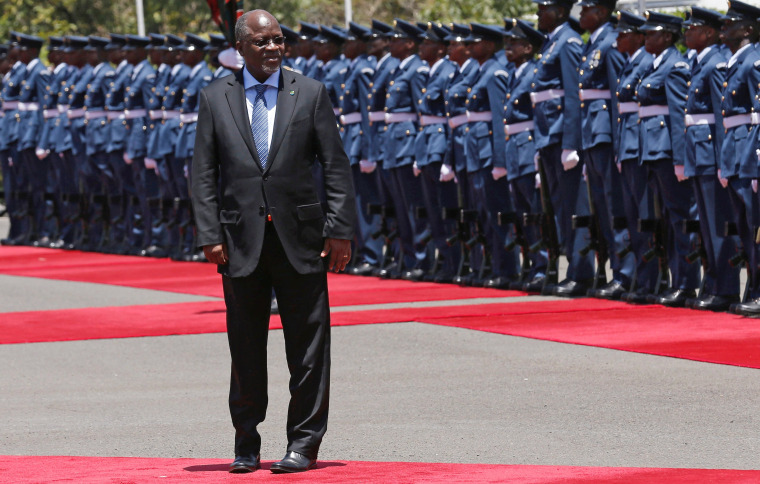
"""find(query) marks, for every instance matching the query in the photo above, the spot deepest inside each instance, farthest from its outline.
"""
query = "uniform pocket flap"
(229, 216)
(309, 212)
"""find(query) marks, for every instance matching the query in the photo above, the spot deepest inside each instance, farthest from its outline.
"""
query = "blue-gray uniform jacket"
(154, 101)
(740, 87)
(332, 75)
(752, 154)
(628, 108)
(10, 95)
(139, 90)
(200, 77)
(34, 87)
(661, 95)
(705, 135)
(598, 72)
(222, 71)
(520, 146)
(353, 106)
(49, 106)
(456, 109)
(163, 138)
(70, 132)
(115, 105)
(299, 63)
(312, 66)
(403, 89)
(59, 137)
(487, 95)
(558, 117)
(432, 139)
(373, 141)
(98, 131)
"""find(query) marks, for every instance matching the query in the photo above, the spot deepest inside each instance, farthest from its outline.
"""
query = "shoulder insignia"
(451, 76)
(343, 71)
(757, 63)
(288, 68)
(368, 70)
(501, 72)
(150, 76)
(721, 65)
(110, 73)
(614, 45)
(681, 64)
(575, 40)
(206, 78)
(423, 69)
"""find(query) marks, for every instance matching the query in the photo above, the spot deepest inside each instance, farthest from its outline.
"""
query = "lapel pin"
(292, 93)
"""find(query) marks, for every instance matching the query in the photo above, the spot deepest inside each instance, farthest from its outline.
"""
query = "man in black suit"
(259, 219)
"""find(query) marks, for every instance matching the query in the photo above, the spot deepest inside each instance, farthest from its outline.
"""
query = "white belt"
(135, 113)
(10, 105)
(352, 118)
(116, 115)
(738, 120)
(481, 116)
(188, 117)
(171, 114)
(28, 106)
(457, 121)
(654, 110)
(510, 129)
(696, 119)
(50, 113)
(755, 118)
(426, 120)
(95, 114)
(62, 108)
(75, 113)
(391, 118)
(629, 107)
(336, 111)
(376, 116)
(541, 96)
(590, 94)
(156, 115)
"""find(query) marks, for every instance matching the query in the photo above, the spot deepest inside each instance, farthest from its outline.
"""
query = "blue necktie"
(260, 125)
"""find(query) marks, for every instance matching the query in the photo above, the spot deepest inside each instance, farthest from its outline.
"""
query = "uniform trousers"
(747, 217)
(637, 201)
(528, 200)
(367, 249)
(438, 195)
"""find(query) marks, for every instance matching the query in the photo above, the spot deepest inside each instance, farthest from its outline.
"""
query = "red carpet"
(123, 470)
(202, 279)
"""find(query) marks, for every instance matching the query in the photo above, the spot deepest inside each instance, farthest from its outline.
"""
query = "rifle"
(596, 239)
(659, 247)
(549, 239)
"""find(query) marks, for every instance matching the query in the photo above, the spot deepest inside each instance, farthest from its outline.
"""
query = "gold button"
(424, 90)
(583, 105)
(648, 85)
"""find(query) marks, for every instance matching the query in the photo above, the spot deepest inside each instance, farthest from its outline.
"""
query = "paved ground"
(401, 392)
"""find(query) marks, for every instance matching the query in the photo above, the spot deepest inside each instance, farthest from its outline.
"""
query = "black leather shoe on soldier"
(677, 298)
(413, 275)
(751, 309)
(244, 464)
(364, 269)
(293, 462)
(569, 288)
(714, 303)
(612, 290)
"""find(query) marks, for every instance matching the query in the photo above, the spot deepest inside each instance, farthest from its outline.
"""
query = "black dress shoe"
(676, 298)
(413, 275)
(714, 303)
(498, 283)
(154, 251)
(293, 462)
(639, 296)
(613, 290)
(275, 308)
(364, 269)
(570, 288)
(245, 463)
(751, 309)
(443, 277)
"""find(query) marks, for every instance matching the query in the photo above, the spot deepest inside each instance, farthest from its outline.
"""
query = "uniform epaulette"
(423, 69)
(343, 71)
(575, 40)
(368, 70)
(110, 74)
(757, 63)
(678, 65)
(150, 76)
(207, 78)
(451, 76)
(288, 68)
(721, 65)
(614, 45)
(501, 72)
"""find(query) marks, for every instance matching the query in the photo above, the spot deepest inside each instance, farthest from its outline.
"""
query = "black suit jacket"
(231, 193)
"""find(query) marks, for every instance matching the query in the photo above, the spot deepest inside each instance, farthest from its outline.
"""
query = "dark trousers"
(568, 195)
(412, 231)
(747, 217)
(637, 201)
(305, 314)
(367, 249)
(440, 195)
(528, 200)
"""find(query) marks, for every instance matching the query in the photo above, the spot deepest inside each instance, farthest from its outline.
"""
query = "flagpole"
(349, 11)
(140, 17)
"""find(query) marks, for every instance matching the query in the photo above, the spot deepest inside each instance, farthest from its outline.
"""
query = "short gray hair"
(241, 27)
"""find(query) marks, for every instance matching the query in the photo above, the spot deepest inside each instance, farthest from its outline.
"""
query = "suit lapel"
(236, 99)
(287, 96)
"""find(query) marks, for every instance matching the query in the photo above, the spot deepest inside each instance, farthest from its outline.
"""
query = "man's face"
(629, 42)
(399, 47)
(482, 50)
(431, 51)
(377, 47)
(327, 51)
(155, 56)
(459, 52)
(517, 50)
(354, 48)
(54, 57)
(734, 33)
(27, 55)
(135, 56)
(657, 41)
(698, 36)
(592, 17)
(92, 57)
(5, 65)
(191, 57)
(549, 17)
(263, 47)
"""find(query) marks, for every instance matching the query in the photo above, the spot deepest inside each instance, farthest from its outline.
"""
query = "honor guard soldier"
(704, 139)
(5, 168)
(485, 154)
(522, 42)
(403, 89)
(599, 69)
(217, 43)
(312, 65)
(17, 196)
(636, 194)
(328, 46)
(556, 114)
(432, 146)
(738, 163)
(193, 54)
(291, 47)
(661, 94)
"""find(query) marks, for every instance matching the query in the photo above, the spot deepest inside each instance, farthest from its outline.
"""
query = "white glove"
(583, 171)
(754, 185)
(498, 172)
(679, 171)
(569, 159)
(447, 174)
(536, 157)
(723, 181)
(366, 166)
(128, 160)
(41, 154)
(151, 163)
(538, 181)
(186, 169)
(10, 161)
(415, 169)
(757, 152)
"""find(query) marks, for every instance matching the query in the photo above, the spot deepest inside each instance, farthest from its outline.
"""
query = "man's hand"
(723, 181)
(415, 169)
(679, 171)
(366, 166)
(447, 174)
(216, 254)
(569, 159)
(498, 172)
(340, 253)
